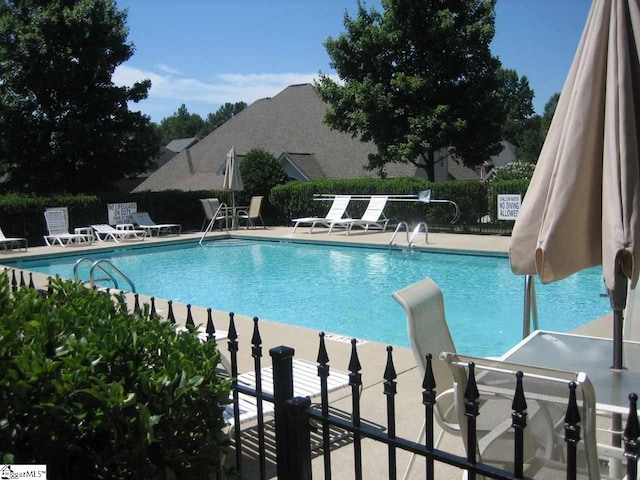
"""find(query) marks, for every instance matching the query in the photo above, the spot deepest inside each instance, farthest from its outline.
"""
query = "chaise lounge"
(59, 231)
(12, 242)
(105, 232)
(372, 218)
(336, 212)
(144, 221)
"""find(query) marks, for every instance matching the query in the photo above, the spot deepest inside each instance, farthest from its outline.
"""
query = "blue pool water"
(347, 290)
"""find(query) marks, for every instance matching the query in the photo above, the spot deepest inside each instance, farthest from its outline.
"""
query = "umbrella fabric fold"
(583, 202)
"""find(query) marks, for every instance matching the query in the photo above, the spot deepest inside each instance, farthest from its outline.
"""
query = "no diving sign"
(509, 206)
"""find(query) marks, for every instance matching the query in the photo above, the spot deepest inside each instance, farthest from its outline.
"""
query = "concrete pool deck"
(372, 355)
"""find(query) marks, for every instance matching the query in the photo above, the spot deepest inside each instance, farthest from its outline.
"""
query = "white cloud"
(168, 69)
(170, 88)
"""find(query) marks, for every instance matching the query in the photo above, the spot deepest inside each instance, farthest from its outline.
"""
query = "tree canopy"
(418, 78)
(183, 124)
(65, 126)
(260, 172)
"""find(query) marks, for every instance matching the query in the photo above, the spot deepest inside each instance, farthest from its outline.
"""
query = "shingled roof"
(290, 127)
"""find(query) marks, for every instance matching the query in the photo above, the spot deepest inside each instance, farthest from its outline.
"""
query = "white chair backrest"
(141, 218)
(65, 212)
(56, 222)
(210, 206)
(547, 395)
(374, 210)
(338, 207)
(254, 206)
(631, 325)
(427, 328)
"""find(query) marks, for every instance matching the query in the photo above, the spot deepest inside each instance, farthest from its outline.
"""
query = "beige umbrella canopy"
(583, 204)
(232, 178)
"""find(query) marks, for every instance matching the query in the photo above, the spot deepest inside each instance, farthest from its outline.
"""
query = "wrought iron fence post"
(233, 353)
(572, 432)
(632, 438)
(355, 380)
(390, 390)
(256, 353)
(282, 359)
(323, 374)
(299, 434)
(471, 411)
(429, 401)
(519, 422)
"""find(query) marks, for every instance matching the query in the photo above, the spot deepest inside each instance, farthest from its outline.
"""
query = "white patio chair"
(105, 232)
(547, 396)
(57, 225)
(336, 212)
(12, 242)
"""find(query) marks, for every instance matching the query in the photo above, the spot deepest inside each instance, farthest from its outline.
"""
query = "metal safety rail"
(213, 220)
(422, 197)
(415, 233)
(108, 269)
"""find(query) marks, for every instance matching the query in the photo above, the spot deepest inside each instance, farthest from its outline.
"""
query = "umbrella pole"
(618, 299)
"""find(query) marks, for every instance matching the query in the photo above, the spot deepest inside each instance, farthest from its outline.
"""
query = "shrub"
(261, 172)
(514, 171)
(96, 392)
(296, 199)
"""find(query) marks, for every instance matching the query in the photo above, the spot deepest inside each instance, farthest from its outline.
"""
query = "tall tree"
(418, 78)
(518, 102)
(224, 113)
(64, 125)
(181, 124)
(534, 133)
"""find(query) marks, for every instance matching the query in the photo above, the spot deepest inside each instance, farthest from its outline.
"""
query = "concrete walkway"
(372, 355)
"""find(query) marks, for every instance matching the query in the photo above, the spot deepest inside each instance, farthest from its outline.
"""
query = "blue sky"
(203, 53)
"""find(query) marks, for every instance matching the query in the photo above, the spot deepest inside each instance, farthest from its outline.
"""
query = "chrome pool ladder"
(108, 269)
(415, 233)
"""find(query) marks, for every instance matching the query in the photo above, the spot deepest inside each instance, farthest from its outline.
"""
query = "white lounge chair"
(428, 333)
(12, 242)
(59, 231)
(105, 232)
(372, 218)
(144, 221)
(253, 213)
(547, 396)
(336, 212)
(306, 383)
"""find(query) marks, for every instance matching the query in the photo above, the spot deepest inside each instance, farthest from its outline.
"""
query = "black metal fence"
(294, 417)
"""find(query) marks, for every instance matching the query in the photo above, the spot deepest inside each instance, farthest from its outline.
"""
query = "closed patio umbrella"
(232, 178)
(582, 207)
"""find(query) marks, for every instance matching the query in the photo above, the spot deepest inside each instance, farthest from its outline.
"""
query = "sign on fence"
(121, 212)
(509, 206)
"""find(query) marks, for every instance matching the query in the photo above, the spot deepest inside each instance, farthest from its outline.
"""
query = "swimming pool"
(347, 290)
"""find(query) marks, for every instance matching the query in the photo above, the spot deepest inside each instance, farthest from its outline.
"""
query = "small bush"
(96, 392)
(514, 171)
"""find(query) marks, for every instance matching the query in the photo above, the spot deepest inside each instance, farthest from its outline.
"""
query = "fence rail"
(293, 417)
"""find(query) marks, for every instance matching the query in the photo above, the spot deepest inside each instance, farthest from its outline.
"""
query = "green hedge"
(296, 199)
(22, 215)
(96, 392)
